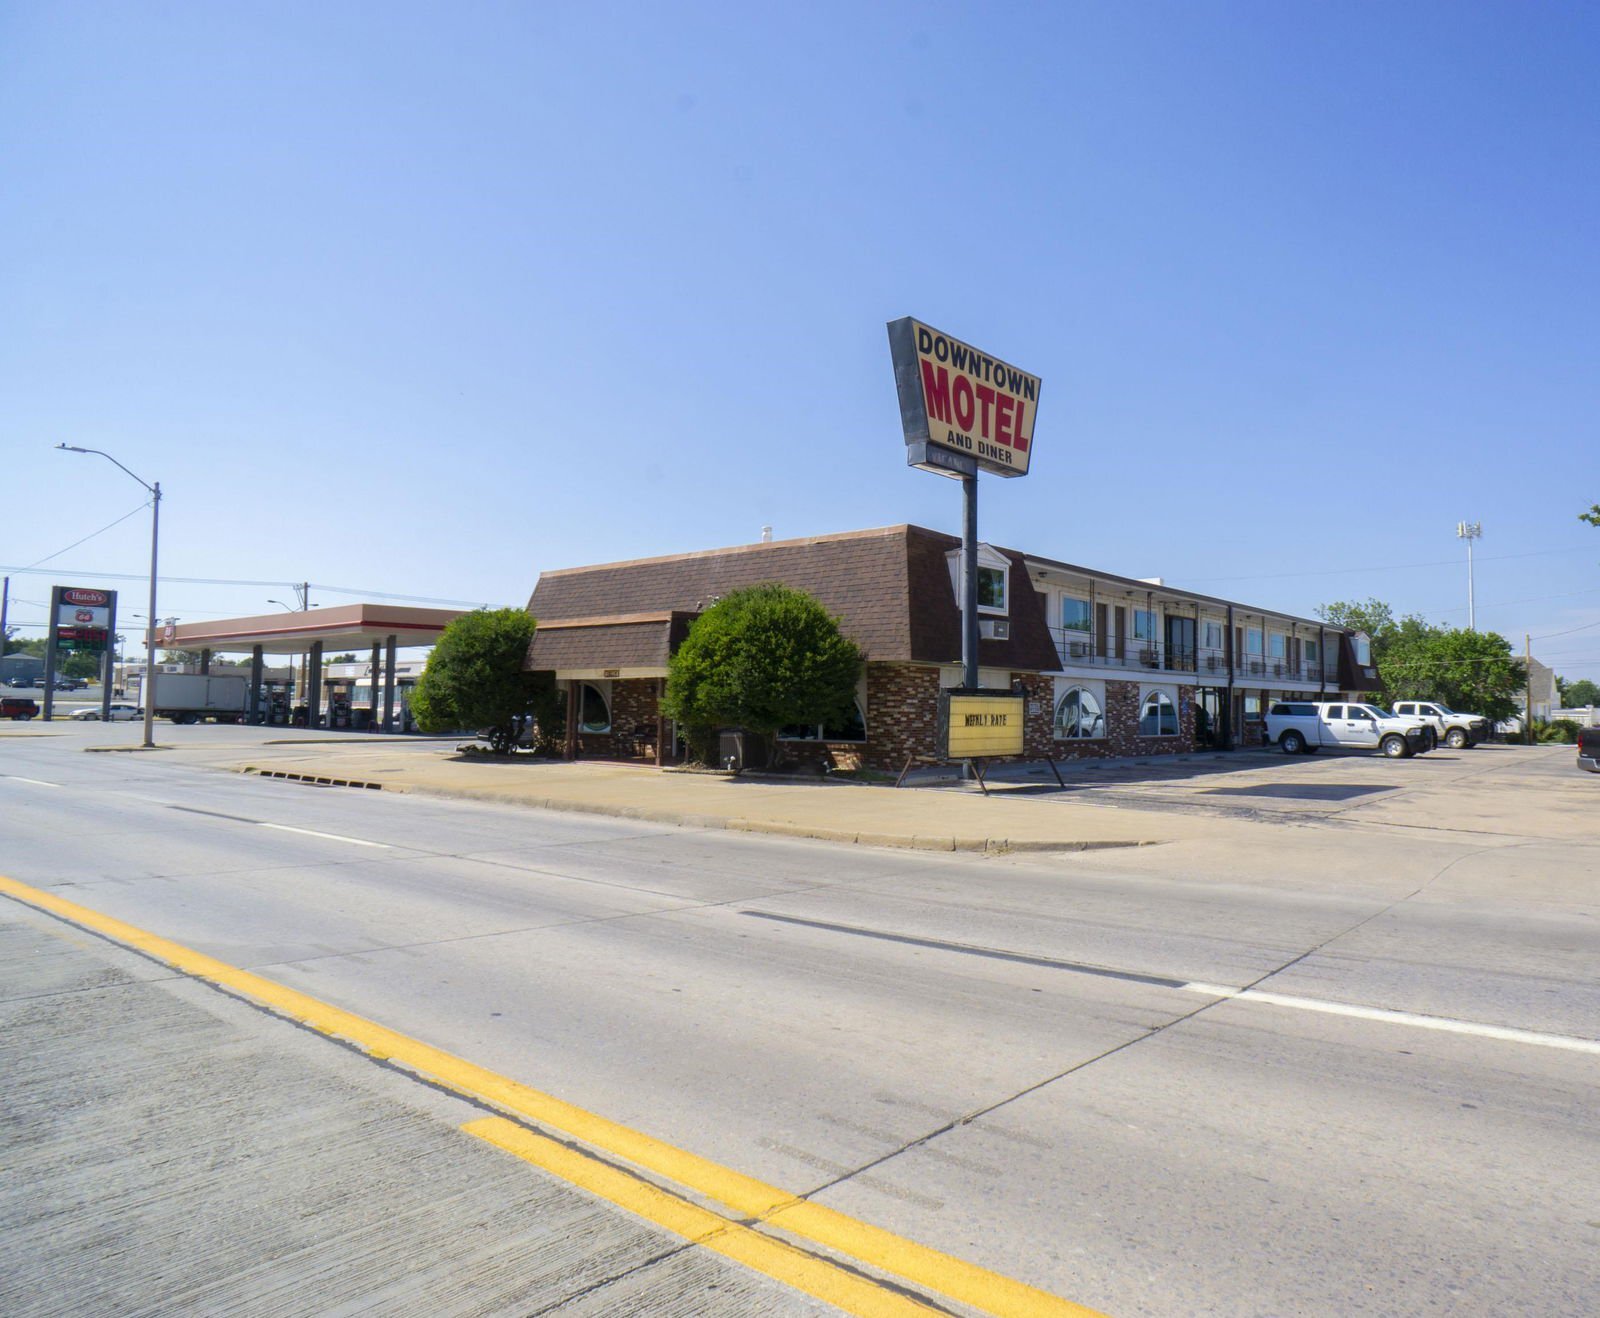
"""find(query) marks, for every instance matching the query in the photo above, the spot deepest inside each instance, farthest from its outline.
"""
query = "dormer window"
(992, 588)
(994, 576)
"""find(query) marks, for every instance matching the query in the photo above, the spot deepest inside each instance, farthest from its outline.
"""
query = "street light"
(1470, 531)
(150, 629)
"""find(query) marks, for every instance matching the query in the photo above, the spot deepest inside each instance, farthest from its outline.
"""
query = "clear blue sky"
(424, 299)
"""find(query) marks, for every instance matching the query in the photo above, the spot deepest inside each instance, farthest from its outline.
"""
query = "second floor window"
(1144, 625)
(1212, 636)
(1252, 640)
(992, 588)
(1075, 615)
(1313, 652)
(1280, 645)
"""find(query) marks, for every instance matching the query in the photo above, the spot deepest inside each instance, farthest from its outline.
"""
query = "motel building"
(1110, 665)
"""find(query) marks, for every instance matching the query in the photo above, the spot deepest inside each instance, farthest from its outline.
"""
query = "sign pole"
(969, 581)
(50, 656)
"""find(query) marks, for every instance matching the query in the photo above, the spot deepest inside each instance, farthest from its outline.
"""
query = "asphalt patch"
(1306, 791)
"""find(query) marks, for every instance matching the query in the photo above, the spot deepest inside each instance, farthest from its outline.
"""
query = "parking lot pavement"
(1493, 789)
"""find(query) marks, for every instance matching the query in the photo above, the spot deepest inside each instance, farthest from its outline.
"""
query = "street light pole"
(150, 631)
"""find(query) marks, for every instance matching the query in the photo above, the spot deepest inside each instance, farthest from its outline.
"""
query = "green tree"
(1371, 616)
(1416, 660)
(82, 665)
(1592, 516)
(1582, 692)
(1467, 670)
(761, 659)
(474, 679)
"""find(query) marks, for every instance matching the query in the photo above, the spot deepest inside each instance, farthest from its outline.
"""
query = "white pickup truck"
(1303, 727)
(1455, 729)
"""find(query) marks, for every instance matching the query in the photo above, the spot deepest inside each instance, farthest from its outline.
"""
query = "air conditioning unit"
(994, 629)
(1078, 649)
(1211, 662)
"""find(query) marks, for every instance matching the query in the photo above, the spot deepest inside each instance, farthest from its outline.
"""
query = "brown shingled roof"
(889, 588)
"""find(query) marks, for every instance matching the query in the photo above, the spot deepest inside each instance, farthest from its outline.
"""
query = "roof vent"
(766, 535)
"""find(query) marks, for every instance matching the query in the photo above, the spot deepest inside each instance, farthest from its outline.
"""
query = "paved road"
(1032, 1064)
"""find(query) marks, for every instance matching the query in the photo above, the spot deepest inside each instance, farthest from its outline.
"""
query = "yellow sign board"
(983, 725)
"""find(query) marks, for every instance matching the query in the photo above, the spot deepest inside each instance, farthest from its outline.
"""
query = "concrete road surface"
(1275, 1069)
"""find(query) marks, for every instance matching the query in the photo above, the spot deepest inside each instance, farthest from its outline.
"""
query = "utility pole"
(5, 608)
(1527, 664)
(1470, 531)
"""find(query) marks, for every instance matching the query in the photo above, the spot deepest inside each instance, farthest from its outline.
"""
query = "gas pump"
(338, 704)
(275, 702)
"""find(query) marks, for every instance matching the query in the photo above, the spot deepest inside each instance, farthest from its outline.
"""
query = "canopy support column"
(388, 685)
(255, 684)
(314, 685)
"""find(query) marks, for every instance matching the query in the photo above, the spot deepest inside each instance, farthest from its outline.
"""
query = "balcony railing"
(1077, 649)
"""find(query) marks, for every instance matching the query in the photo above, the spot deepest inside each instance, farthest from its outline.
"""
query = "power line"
(1547, 635)
(233, 581)
(384, 595)
(85, 540)
(1381, 567)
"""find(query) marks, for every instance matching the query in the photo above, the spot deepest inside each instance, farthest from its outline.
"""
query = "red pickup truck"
(18, 707)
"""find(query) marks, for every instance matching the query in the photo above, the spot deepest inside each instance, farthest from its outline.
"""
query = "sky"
(419, 300)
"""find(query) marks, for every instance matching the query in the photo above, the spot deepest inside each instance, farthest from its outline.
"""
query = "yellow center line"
(782, 1262)
(752, 1199)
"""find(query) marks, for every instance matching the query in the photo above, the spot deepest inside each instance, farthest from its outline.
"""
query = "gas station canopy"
(346, 627)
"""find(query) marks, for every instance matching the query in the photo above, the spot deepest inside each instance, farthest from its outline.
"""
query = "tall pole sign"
(964, 411)
(82, 621)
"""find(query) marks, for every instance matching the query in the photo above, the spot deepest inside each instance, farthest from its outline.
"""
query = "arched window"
(593, 714)
(1078, 714)
(1159, 716)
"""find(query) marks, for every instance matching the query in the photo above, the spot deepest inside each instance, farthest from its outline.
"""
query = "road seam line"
(774, 1258)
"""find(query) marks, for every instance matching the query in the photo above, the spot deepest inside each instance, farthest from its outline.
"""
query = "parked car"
(1589, 749)
(1455, 729)
(121, 711)
(18, 707)
(1302, 727)
(24, 682)
(70, 684)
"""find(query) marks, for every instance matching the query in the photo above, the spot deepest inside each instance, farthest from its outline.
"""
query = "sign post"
(963, 411)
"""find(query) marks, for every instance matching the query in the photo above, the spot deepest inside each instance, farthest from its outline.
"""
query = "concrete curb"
(686, 819)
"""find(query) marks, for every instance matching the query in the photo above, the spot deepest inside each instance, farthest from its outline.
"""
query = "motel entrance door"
(1214, 701)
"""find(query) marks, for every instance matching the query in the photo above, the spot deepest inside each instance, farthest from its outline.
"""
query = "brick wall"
(1122, 737)
(633, 704)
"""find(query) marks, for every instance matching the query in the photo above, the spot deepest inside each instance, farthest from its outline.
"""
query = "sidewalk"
(951, 820)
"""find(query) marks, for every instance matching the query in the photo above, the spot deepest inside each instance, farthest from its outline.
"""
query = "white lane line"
(1442, 1023)
(332, 837)
(18, 778)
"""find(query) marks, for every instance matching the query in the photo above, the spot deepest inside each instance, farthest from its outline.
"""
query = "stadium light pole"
(149, 691)
(1470, 531)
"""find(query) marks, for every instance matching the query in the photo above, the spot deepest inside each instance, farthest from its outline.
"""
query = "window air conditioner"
(1078, 649)
(994, 629)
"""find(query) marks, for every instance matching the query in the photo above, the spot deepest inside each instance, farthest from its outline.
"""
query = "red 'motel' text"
(973, 393)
